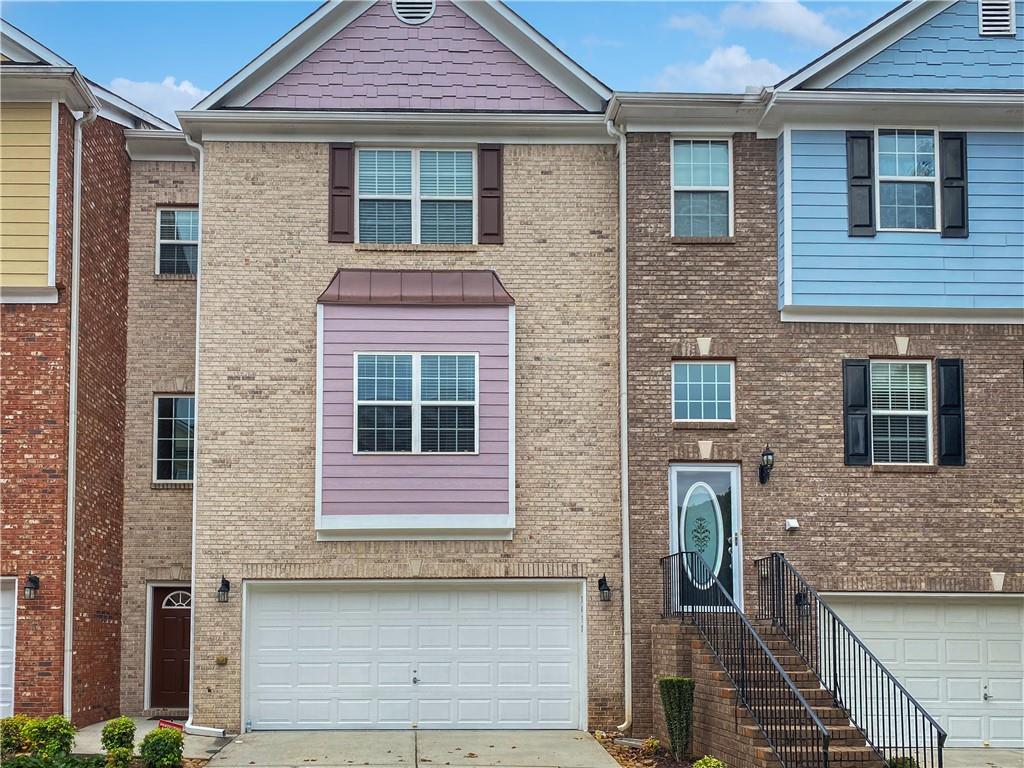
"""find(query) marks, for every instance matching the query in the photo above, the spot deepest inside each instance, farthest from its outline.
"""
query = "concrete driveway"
(414, 749)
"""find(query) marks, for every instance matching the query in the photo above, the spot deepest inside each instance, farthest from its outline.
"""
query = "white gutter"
(69, 528)
(197, 730)
(627, 613)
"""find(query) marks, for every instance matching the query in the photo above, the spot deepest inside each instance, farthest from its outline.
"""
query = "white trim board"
(899, 315)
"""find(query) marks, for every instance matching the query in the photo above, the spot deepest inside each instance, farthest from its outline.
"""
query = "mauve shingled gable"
(449, 63)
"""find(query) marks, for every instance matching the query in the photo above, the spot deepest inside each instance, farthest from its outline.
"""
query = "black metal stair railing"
(892, 721)
(794, 731)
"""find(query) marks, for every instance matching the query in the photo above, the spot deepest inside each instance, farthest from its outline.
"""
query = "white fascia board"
(895, 315)
(396, 127)
(850, 110)
(301, 40)
(686, 112)
(34, 82)
(167, 146)
(122, 111)
(539, 52)
(856, 50)
(16, 45)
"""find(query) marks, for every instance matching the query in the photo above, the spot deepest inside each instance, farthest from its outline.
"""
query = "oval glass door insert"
(701, 528)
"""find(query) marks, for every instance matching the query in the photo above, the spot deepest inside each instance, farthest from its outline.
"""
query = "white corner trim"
(318, 492)
(787, 217)
(511, 416)
(901, 315)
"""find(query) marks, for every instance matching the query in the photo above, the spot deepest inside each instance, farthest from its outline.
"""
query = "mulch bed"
(630, 755)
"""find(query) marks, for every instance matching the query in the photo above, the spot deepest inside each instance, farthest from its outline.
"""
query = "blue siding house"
(901, 170)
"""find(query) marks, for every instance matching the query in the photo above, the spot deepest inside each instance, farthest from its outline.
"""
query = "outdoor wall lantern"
(604, 589)
(31, 586)
(803, 603)
(225, 588)
(767, 462)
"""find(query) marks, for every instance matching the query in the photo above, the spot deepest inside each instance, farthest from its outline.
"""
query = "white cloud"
(163, 98)
(726, 70)
(787, 17)
(695, 22)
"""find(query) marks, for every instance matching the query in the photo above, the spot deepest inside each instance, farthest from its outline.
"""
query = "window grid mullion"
(416, 403)
(415, 203)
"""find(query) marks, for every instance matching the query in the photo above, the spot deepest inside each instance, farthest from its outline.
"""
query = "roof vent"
(413, 11)
(996, 17)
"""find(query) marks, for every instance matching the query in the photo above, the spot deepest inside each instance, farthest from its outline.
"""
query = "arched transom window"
(179, 599)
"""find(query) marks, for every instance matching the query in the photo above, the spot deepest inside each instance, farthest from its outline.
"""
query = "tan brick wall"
(161, 356)
(266, 259)
(917, 529)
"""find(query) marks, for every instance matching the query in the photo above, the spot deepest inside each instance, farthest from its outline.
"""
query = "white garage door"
(961, 657)
(8, 596)
(428, 655)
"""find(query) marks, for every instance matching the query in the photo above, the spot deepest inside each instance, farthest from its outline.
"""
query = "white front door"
(962, 658)
(8, 608)
(704, 517)
(407, 654)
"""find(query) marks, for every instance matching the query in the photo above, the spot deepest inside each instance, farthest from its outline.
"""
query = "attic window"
(996, 17)
(413, 11)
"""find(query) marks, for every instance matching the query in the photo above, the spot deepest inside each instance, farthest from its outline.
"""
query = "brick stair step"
(842, 735)
(827, 715)
(798, 676)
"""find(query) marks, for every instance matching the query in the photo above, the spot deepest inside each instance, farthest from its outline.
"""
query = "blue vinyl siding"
(907, 269)
(946, 53)
(780, 205)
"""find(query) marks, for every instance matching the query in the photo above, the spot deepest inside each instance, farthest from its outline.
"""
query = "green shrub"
(51, 737)
(12, 734)
(708, 762)
(119, 757)
(162, 748)
(118, 733)
(901, 762)
(677, 700)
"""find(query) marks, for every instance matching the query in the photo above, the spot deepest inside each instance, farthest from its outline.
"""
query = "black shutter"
(952, 448)
(857, 412)
(491, 219)
(953, 167)
(341, 226)
(860, 183)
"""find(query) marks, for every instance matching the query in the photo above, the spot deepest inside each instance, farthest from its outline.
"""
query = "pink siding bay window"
(360, 488)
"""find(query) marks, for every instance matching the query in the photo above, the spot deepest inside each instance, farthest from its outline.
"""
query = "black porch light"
(604, 589)
(767, 462)
(222, 592)
(803, 602)
(31, 587)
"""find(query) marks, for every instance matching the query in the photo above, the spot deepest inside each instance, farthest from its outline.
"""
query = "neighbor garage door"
(429, 655)
(950, 653)
(8, 595)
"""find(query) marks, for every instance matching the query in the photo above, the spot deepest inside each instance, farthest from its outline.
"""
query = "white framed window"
(174, 426)
(901, 416)
(704, 390)
(416, 196)
(702, 189)
(416, 402)
(907, 171)
(997, 17)
(177, 241)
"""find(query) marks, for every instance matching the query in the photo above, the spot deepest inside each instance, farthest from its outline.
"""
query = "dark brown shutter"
(491, 219)
(953, 160)
(857, 412)
(952, 448)
(860, 183)
(341, 225)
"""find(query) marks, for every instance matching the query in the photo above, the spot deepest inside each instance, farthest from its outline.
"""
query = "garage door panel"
(483, 656)
(950, 653)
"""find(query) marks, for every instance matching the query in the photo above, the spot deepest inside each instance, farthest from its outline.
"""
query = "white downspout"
(197, 730)
(627, 612)
(69, 528)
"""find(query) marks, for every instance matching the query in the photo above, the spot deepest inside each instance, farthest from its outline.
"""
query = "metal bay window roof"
(416, 287)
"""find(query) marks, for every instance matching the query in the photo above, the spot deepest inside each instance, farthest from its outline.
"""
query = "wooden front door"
(172, 624)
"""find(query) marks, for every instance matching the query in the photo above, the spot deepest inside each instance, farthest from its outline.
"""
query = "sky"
(166, 56)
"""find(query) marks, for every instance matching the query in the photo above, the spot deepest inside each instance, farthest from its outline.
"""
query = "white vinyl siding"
(702, 188)
(416, 196)
(907, 179)
(901, 412)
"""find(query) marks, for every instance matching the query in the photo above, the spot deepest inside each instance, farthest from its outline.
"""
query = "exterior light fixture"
(604, 589)
(803, 603)
(767, 462)
(31, 587)
(222, 592)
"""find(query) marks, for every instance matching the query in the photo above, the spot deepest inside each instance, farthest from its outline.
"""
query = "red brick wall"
(95, 668)
(861, 528)
(33, 462)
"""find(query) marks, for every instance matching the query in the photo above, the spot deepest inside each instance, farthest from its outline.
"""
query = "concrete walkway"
(953, 757)
(87, 740)
(415, 749)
